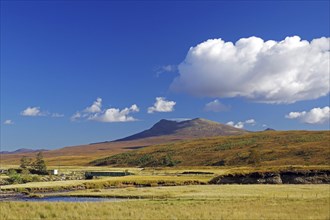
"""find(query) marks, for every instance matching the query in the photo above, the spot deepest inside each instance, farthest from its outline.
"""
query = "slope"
(165, 131)
(271, 148)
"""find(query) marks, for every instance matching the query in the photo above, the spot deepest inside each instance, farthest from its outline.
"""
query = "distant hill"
(165, 131)
(271, 148)
(194, 128)
(22, 150)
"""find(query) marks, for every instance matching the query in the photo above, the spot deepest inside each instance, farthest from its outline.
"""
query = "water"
(69, 199)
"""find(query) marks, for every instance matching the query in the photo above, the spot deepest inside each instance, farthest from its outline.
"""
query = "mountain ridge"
(197, 127)
(22, 150)
(164, 131)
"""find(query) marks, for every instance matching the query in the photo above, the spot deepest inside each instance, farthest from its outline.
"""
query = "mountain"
(165, 131)
(22, 150)
(194, 128)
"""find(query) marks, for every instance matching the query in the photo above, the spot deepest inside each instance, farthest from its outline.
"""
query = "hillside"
(194, 128)
(22, 150)
(165, 131)
(269, 148)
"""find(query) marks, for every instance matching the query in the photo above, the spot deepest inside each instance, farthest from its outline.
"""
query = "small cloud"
(179, 119)
(162, 105)
(96, 107)
(264, 125)
(231, 123)
(76, 116)
(116, 115)
(95, 113)
(314, 116)
(166, 69)
(250, 121)
(241, 124)
(57, 115)
(8, 122)
(32, 112)
(216, 106)
(35, 111)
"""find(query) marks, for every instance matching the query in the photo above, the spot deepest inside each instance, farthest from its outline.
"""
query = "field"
(188, 202)
(171, 181)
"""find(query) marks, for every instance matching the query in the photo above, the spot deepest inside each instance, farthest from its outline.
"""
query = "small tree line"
(28, 167)
(38, 166)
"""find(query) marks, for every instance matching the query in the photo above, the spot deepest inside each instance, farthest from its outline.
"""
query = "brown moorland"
(165, 131)
(268, 148)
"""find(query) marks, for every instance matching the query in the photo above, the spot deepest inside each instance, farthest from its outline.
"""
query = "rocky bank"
(281, 177)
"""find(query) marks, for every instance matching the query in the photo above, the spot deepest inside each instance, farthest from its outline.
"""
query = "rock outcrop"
(282, 177)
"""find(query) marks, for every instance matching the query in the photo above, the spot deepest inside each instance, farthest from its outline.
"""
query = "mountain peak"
(197, 127)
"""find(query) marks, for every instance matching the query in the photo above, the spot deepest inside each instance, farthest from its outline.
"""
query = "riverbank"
(186, 202)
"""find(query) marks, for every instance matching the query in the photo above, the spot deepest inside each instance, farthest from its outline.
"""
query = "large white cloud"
(32, 111)
(216, 106)
(95, 113)
(162, 105)
(264, 71)
(314, 116)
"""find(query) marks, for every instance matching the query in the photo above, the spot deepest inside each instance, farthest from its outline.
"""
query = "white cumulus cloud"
(8, 122)
(162, 105)
(116, 115)
(95, 113)
(32, 111)
(314, 116)
(263, 71)
(216, 106)
(35, 111)
(241, 124)
(95, 107)
(237, 125)
(250, 121)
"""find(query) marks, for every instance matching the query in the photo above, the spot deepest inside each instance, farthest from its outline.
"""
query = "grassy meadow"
(188, 202)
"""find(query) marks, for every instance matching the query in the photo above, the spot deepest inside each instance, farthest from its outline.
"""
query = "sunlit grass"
(190, 202)
(109, 182)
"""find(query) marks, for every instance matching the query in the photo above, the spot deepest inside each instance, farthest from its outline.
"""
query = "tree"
(39, 165)
(25, 162)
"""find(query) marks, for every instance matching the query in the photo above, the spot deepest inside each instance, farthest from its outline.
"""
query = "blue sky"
(58, 57)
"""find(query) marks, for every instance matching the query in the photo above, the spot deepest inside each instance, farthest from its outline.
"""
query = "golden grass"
(108, 182)
(190, 202)
(212, 191)
(83, 154)
(275, 148)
